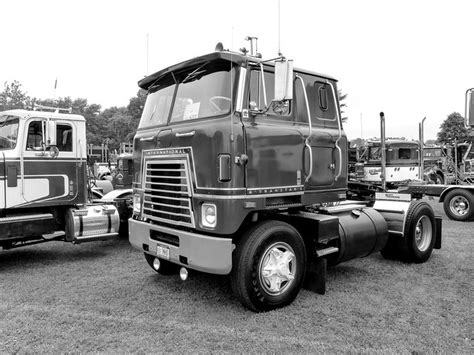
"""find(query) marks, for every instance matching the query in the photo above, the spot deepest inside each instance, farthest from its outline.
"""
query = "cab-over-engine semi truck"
(240, 168)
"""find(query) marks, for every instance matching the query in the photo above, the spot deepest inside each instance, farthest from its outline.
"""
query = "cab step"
(326, 251)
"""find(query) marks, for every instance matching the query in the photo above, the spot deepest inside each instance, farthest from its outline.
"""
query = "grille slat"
(168, 184)
(167, 195)
(166, 177)
(168, 198)
(154, 203)
(158, 191)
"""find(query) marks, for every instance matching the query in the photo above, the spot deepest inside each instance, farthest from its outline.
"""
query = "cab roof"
(25, 114)
(237, 58)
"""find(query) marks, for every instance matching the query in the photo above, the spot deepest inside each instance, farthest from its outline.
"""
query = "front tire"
(459, 205)
(269, 264)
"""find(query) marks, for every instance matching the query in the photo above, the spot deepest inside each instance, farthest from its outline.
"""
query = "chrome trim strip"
(243, 197)
(223, 188)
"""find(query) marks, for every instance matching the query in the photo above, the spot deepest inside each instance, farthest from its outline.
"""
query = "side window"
(321, 101)
(325, 108)
(64, 137)
(404, 153)
(257, 98)
(256, 89)
(35, 140)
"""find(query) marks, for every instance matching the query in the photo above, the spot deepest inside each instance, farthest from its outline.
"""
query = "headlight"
(137, 203)
(209, 215)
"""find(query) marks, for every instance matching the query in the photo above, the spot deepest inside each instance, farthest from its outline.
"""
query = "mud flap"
(316, 276)
(439, 229)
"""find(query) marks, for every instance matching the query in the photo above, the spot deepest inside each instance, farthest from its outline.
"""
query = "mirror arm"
(263, 86)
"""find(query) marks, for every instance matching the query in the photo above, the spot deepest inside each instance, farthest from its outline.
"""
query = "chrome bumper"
(195, 251)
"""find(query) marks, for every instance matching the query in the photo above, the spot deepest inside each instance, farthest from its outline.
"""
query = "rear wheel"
(163, 267)
(459, 205)
(268, 266)
(419, 237)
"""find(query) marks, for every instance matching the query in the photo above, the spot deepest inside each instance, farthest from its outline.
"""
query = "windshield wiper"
(195, 73)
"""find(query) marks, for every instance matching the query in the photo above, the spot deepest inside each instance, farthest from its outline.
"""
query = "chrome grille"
(167, 195)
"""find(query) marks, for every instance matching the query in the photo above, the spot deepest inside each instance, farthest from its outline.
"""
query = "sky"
(408, 58)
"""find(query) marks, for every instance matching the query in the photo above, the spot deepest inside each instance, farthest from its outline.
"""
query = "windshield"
(198, 92)
(430, 153)
(8, 131)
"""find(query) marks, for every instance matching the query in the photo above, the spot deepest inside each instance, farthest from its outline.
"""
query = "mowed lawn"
(104, 297)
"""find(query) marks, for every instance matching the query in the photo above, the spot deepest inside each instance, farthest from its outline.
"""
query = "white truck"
(44, 185)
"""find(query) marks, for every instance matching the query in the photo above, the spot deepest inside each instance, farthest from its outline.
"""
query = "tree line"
(113, 125)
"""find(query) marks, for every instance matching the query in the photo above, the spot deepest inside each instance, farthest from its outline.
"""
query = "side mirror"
(469, 116)
(283, 80)
(51, 133)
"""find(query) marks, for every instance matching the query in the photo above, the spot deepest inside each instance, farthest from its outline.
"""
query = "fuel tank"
(362, 231)
(92, 222)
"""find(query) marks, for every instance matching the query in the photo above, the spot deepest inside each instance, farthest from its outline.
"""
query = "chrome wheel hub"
(459, 205)
(277, 268)
(423, 233)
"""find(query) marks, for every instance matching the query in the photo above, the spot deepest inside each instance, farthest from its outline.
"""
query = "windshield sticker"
(191, 111)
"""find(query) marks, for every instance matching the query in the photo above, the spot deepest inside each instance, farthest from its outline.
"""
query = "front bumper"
(195, 251)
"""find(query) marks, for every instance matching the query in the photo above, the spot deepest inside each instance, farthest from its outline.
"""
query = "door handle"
(307, 145)
(147, 139)
(185, 134)
(340, 161)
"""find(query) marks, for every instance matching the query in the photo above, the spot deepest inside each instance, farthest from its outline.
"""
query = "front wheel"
(459, 205)
(269, 264)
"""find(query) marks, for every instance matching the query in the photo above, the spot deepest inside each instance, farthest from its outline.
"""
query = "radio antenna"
(147, 54)
(279, 48)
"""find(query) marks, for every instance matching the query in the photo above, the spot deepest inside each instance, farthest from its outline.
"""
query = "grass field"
(103, 297)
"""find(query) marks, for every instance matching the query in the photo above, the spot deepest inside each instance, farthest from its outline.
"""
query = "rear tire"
(459, 205)
(269, 265)
(166, 267)
(419, 237)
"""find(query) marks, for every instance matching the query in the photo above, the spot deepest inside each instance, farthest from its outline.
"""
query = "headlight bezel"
(137, 203)
(209, 215)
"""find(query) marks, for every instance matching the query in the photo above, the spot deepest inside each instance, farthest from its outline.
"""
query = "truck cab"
(210, 135)
(44, 190)
(402, 162)
(41, 156)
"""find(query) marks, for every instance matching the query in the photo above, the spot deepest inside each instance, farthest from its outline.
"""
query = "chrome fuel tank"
(92, 222)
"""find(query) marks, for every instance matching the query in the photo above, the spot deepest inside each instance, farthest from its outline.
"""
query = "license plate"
(163, 251)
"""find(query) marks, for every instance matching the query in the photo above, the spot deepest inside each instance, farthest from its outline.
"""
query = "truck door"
(325, 153)
(274, 141)
(43, 178)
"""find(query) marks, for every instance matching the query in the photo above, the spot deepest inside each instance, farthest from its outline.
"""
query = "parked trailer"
(458, 200)
(240, 169)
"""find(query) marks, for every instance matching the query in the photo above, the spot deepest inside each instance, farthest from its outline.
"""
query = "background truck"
(240, 169)
(458, 199)
(402, 162)
(44, 189)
